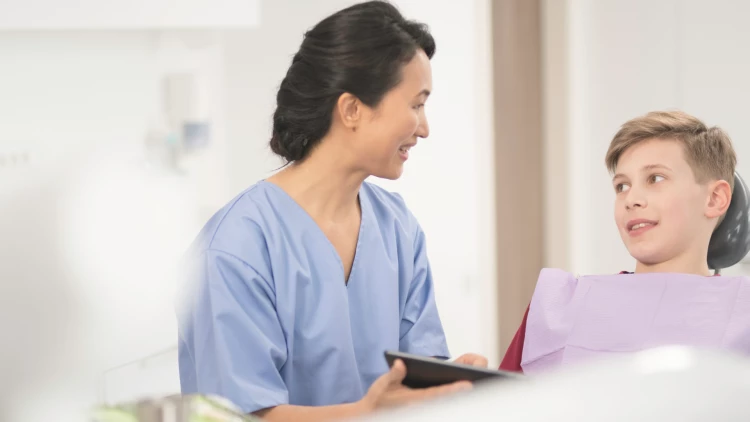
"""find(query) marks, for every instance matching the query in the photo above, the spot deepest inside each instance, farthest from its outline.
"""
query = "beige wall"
(518, 157)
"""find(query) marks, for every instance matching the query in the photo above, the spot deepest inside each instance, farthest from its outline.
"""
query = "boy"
(673, 179)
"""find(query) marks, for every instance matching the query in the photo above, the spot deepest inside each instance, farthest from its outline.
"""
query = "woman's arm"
(421, 330)
(231, 342)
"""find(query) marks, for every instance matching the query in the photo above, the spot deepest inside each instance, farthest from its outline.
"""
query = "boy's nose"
(635, 201)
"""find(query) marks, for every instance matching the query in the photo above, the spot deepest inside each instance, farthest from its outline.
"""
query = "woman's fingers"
(388, 391)
(410, 395)
(473, 359)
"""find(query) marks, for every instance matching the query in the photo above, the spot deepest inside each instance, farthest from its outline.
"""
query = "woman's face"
(388, 132)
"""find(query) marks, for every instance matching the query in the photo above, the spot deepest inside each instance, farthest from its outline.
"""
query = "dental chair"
(730, 242)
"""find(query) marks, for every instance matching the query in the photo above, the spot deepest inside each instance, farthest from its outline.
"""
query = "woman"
(306, 278)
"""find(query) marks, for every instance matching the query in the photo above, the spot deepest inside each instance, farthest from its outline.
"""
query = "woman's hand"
(387, 391)
(473, 360)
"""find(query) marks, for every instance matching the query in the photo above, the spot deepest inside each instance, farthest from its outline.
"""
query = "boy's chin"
(646, 255)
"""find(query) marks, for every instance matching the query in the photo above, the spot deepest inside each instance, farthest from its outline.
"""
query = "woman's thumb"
(393, 377)
(397, 372)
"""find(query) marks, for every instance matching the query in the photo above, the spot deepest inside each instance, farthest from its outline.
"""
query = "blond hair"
(708, 151)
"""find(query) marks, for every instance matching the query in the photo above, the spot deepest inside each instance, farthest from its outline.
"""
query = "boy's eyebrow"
(656, 166)
(647, 167)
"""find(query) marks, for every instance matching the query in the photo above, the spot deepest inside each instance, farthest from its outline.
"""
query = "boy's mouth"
(636, 227)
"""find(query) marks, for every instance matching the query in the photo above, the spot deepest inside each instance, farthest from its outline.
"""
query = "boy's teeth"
(638, 226)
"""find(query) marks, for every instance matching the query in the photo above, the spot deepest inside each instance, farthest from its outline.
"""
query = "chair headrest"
(731, 241)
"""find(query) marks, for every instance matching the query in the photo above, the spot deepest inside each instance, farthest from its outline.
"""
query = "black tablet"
(423, 372)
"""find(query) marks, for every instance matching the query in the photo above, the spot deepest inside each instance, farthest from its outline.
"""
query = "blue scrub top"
(267, 318)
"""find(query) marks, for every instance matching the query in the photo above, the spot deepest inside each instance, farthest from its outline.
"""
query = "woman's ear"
(720, 196)
(349, 110)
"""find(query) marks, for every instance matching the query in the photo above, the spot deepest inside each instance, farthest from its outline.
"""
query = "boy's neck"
(685, 265)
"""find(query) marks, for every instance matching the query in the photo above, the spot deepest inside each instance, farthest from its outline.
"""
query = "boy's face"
(661, 212)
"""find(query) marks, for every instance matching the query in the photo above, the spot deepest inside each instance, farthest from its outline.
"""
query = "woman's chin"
(390, 174)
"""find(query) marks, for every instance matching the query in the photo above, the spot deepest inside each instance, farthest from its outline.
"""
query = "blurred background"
(125, 125)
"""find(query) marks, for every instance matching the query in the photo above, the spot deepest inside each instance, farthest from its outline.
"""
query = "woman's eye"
(417, 107)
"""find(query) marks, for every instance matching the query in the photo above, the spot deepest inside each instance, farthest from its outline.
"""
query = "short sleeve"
(421, 329)
(231, 342)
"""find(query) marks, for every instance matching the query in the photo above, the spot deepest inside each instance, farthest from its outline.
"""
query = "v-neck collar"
(364, 206)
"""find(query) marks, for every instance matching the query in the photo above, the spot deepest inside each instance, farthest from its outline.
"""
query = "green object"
(189, 408)
(113, 414)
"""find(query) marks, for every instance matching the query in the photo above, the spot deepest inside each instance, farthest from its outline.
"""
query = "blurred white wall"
(67, 96)
(91, 226)
(623, 59)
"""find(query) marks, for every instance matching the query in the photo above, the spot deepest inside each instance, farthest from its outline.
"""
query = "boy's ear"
(719, 199)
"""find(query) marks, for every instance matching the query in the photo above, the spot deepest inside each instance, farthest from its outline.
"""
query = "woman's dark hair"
(360, 50)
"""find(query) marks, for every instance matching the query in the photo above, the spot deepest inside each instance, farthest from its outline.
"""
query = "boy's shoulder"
(558, 275)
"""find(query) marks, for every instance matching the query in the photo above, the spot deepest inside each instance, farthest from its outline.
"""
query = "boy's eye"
(417, 107)
(621, 187)
(656, 178)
